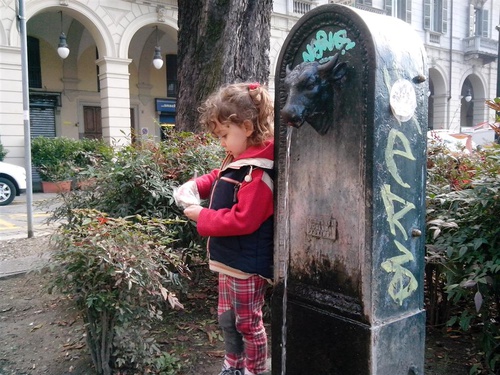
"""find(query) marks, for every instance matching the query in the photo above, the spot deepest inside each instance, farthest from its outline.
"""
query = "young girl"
(239, 219)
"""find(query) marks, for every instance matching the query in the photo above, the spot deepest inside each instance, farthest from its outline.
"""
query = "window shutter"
(427, 14)
(408, 11)
(484, 23)
(444, 16)
(388, 7)
(472, 16)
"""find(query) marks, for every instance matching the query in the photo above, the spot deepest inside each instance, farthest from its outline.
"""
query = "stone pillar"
(115, 100)
(350, 196)
(11, 104)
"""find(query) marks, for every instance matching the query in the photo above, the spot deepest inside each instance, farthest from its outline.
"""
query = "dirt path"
(41, 333)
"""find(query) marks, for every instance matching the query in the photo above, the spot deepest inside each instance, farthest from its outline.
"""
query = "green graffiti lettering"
(390, 152)
(323, 42)
(393, 218)
(403, 283)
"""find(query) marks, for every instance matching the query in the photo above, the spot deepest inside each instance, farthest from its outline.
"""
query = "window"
(34, 66)
(364, 2)
(97, 71)
(478, 21)
(399, 8)
(171, 76)
(436, 15)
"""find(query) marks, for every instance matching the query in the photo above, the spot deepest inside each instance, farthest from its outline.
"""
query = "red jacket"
(245, 218)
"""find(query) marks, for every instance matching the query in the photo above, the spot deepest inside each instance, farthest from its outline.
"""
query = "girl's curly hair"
(236, 103)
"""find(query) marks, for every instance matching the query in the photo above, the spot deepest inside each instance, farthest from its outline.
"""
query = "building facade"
(108, 87)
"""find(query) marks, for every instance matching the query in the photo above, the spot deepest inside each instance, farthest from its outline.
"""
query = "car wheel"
(7, 191)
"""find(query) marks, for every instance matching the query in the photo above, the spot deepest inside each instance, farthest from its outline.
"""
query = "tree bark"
(219, 42)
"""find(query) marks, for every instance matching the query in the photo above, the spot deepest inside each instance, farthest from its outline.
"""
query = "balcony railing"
(369, 8)
(343, 2)
(480, 47)
(434, 37)
(302, 7)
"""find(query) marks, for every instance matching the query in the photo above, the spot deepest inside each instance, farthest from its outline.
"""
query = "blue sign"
(166, 105)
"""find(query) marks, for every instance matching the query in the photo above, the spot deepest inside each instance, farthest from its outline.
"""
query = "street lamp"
(497, 114)
(62, 48)
(468, 96)
(157, 60)
(498, 64)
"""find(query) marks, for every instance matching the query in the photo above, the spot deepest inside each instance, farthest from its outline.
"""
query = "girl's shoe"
(247, 372)
(233, 371)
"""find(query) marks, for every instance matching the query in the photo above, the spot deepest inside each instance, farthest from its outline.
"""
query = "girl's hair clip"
(253, 86)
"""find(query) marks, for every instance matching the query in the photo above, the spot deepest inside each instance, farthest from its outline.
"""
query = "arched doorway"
(466, 105)
(438, 102)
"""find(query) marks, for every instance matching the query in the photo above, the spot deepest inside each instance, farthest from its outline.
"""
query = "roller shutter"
(42, 121)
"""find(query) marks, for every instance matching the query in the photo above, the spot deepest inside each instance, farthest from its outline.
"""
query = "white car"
(12, 182)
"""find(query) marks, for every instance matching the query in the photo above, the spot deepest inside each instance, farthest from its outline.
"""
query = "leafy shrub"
(122, 246)
(167, 364)
(464, 238)
(118, 271)
(62, 158)
(91, 152)
(140, 180)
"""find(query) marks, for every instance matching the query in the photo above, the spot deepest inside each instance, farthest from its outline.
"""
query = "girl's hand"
(193, 212)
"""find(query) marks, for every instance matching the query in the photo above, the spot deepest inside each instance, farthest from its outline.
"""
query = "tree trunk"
(219, 42)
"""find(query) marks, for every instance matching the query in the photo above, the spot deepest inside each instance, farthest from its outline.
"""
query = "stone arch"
(473, 112)
(142, 29)
(8, 25)
(86, 16)
(438, 98)
(3, 35)
(137, 24)
(478, 84)
(438, 76)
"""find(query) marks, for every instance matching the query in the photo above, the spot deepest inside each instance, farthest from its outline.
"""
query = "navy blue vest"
(251, 253)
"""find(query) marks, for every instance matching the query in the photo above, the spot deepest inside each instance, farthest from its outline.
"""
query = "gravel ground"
(42, 334)
(24, 247)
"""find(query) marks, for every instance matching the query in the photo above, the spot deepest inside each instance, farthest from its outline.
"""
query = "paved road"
(14, 217)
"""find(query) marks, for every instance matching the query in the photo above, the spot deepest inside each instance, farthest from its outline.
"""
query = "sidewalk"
(14, 218)
(19, 266)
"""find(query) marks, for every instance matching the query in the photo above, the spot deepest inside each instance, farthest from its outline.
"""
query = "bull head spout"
(310, 93)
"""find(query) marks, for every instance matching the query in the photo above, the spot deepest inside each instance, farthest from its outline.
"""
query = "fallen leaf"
(73, 346)
(36, 327)
(215, 353)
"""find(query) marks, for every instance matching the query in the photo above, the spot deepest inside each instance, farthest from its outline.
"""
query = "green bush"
(463, 237)
(140, 180)
(61, 158)
(122, 246)
(91, 152)
(118, 271)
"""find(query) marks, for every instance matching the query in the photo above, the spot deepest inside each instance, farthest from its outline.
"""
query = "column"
(115, 100)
